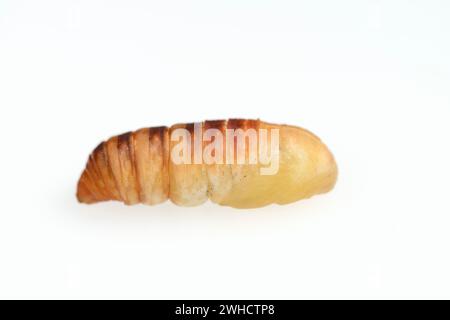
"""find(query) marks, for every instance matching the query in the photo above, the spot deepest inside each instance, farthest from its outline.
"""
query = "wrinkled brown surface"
(134, 168)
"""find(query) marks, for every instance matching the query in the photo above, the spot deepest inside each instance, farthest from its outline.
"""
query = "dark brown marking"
(157, 132)
(243, 124)
(214, 124)
(236, 123)
(190, 127)
(123, 140)
(99, 148)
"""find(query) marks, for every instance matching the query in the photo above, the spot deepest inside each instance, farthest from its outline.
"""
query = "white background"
(371, 78)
